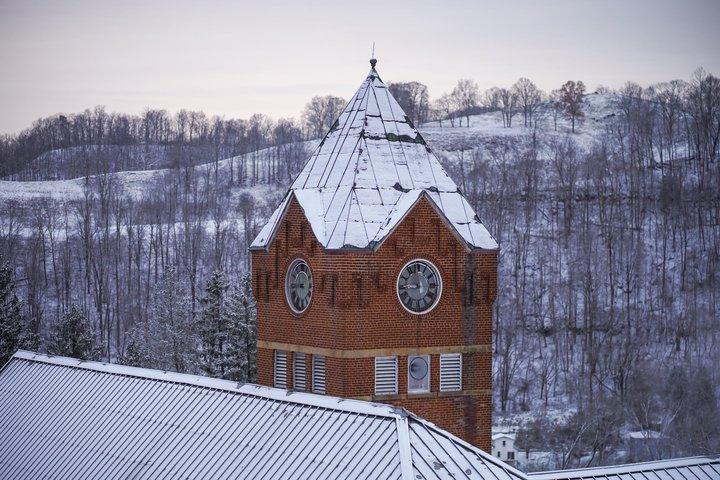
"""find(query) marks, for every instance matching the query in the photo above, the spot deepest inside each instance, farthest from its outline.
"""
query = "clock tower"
(375, 279)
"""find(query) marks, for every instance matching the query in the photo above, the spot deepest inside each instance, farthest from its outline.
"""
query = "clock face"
(419, 286)
(298, 286)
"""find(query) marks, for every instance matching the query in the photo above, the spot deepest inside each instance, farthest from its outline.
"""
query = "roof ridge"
(404, 446)
(477, 451)
(199, 381)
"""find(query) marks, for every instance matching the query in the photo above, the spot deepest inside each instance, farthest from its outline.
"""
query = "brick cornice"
(373, 352)
(410, 396)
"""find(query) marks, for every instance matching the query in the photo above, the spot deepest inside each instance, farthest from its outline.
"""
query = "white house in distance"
(503, 447)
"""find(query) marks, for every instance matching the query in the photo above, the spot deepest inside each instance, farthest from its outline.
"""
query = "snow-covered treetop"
(368, 172)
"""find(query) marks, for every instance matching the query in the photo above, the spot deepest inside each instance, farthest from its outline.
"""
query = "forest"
(606, 205)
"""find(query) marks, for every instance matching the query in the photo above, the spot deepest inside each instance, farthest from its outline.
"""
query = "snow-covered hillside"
(485, 129)
(137, 184)
(65, 163)
(488, 127)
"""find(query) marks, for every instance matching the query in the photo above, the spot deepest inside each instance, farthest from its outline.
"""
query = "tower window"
(280, 369)
(418, 373)
(451, 372)
(318, 374)
(299, 371)
(386, 373)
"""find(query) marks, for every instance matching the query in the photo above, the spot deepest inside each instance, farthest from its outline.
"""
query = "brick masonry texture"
(355, 307)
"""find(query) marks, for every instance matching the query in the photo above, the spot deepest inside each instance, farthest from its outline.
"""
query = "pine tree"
(165, 340)
(140, 350)
(171, 311)
(146, 344)
(73, 336)
(15, 331)
(241, 317)
(250, 323)
(212, 326)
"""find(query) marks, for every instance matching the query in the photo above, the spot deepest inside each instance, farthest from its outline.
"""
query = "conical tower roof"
(367, 173)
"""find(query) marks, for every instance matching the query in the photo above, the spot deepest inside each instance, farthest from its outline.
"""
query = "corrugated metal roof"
(65, 418)
(368, 172)
(692, 468)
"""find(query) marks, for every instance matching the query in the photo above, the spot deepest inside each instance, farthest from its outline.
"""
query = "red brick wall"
(355, 307)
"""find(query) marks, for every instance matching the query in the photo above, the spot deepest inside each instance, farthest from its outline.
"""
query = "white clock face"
(419, 286)
(298, 286)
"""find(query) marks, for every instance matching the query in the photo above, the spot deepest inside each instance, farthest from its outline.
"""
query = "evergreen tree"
(137, 351)
(73, 336)
(212, 326)
(241, 321)
(146, 344)
(165, 340)
(171, 312)
(15, 331)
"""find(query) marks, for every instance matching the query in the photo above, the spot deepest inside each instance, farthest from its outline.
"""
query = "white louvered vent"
(318, 371)
(299, 371)
(451, 372)
(280, 369)
(386, 374)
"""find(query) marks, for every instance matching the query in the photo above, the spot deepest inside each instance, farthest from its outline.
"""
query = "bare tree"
(413, 98)
(320, 113)
(529, 98)
(571, 96)
(669, 98)
(556, 106)
(703, 103)
(491, 98)
(466, 96)
(508, 102)
(444, 109)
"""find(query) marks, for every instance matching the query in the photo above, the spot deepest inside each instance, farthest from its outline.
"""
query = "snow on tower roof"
(368, 172)
(67, 418)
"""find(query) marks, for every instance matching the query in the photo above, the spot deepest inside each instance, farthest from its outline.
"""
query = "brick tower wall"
(355, 316)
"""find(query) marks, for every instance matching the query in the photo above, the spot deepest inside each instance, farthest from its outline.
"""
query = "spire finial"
(373, 60)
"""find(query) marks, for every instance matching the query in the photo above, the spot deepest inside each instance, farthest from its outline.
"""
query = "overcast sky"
(235, 58)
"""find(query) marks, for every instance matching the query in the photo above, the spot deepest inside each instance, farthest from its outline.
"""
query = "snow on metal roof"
(691, 468)
(368, 172)
(66, 418)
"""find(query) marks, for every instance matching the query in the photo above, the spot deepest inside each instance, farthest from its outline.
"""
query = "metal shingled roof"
(65, 418)
(691, 468)
(367, 173)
